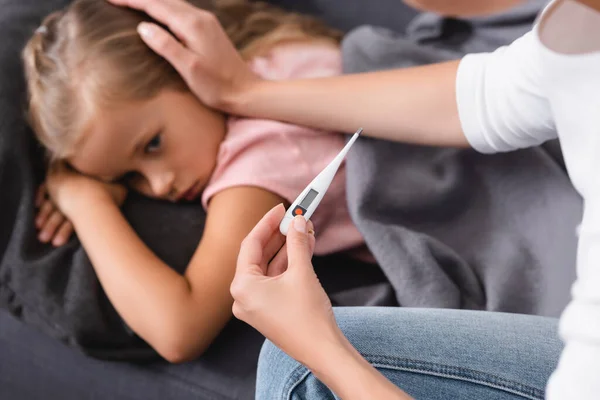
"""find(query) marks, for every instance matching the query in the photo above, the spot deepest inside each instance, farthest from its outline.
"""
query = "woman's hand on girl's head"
(204, 56)
(277, 291)
(71, 191)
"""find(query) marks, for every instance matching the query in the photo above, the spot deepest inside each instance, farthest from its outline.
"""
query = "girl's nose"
(162, 184)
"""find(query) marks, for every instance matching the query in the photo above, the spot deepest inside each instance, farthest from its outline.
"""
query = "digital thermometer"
(309, 199)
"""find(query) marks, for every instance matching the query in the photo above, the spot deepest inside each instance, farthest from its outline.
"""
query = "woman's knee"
(518, 351)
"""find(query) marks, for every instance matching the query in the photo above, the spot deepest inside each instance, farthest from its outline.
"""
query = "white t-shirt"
(520, 96)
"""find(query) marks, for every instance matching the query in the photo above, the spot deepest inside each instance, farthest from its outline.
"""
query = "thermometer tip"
(359, 131)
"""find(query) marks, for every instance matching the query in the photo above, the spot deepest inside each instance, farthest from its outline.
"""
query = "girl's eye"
(154, 144)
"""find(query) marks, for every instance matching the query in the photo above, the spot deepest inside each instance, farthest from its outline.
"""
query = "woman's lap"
(433, 354)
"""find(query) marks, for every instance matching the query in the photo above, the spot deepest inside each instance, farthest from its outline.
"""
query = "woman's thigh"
(433, 354)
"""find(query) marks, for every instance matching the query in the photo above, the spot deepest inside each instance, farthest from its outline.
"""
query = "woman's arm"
(463, 8)
(179, 316)
(415, 105)
(345, 371)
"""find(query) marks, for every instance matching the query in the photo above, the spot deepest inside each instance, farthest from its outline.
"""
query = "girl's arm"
(179, 316)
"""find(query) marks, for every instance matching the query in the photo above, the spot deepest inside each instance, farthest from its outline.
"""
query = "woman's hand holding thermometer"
(307, 202)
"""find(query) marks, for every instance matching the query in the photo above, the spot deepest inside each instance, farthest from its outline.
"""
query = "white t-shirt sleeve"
(500, 100)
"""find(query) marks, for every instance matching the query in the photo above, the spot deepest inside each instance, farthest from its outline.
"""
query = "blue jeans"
(432, 354)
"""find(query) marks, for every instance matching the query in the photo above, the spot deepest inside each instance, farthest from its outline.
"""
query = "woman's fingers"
(252, 250)
(197, 47)
(166, 46)
(279, 263)
(298, 243)
(251, 264)
(168, 12)
(181, 17)
(273, 247)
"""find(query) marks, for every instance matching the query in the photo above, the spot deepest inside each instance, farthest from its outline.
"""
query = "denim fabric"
(432, 354)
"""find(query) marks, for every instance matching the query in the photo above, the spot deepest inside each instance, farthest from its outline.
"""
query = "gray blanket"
(450, 227)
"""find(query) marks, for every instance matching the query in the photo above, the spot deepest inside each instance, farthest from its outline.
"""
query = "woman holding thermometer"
(545, 85)
(308, 201)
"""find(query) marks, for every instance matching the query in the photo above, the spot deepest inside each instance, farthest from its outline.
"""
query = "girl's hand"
(279, 294)
(53, 226)
(71, 191)
(204, 56)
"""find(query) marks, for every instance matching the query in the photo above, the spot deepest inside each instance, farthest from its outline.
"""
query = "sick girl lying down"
(114, 116)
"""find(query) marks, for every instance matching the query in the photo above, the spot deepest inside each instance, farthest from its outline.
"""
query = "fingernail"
(43, 238)
(300, 224)
(145, 29)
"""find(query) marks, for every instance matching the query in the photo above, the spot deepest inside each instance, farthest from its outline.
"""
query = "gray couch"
(52, 347)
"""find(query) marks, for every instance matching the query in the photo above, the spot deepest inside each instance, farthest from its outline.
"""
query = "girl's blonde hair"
(90, 55)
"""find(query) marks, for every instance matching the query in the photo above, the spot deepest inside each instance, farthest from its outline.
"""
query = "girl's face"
(165, 147)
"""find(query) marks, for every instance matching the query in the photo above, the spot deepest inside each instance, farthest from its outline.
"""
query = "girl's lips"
(192, 192)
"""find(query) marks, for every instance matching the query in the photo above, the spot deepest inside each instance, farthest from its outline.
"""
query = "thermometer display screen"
(310, 196)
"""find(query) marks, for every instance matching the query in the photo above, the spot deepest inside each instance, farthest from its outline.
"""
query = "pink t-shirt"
(283, 158)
